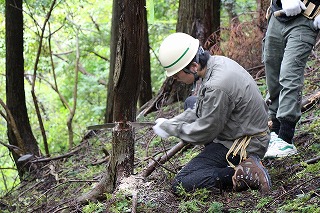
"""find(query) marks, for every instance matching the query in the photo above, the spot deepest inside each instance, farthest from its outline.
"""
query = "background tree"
(262, 8)
(19, 129)
(128, 66)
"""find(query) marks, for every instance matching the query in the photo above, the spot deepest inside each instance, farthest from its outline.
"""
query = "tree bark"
(262, 7)
(113, 45)
(127, 74)
(146, 89)
(16, 101)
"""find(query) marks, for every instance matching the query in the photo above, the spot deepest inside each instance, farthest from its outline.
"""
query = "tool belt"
(313, 8)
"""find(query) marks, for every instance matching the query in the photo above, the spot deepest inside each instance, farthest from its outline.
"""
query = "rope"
(241, 144)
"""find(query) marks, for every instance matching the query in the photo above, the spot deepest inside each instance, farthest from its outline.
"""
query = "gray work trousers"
(287, 46)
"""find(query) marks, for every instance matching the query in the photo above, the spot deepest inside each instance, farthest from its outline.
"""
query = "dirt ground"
(56, 187)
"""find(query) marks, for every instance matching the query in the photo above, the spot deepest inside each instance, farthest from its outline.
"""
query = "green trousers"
(287, 46)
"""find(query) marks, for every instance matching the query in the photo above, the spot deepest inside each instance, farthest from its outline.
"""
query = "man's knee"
(180, 185)
(190, 102)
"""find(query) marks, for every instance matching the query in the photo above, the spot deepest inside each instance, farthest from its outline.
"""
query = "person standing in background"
(291, 34)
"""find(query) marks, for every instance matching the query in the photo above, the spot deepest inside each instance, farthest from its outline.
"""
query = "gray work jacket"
(229, 106)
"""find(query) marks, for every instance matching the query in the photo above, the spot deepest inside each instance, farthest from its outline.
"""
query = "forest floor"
(295, 179)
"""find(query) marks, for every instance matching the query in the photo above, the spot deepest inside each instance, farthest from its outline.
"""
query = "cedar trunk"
(128, 69)
(16, 102)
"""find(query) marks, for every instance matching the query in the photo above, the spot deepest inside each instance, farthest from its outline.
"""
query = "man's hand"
(158, 130)
(316, 22)
(292, 7)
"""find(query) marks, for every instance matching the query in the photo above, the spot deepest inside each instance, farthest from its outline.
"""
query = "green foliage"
(150, 11)
(309, 169)
(8, 173)
(198, 194)
(121, 204)
(94, 208)
(189, 154)
(190, 206)
(263, 201)
(165, 19)
(197, 202)
(301, 204)
(215, 207)
(262, 86)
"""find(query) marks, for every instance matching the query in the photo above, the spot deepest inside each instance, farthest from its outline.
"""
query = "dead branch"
(134, 202)
(310, 101)
(104, 160)
(69, 154)
(104, 186)
(162, 166)
(14, 128)
(35, 69)
(12, 148)
(164, 158)
(310, 161)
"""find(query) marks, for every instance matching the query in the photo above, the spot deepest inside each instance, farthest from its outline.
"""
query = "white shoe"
(279, 148)
(273, 137)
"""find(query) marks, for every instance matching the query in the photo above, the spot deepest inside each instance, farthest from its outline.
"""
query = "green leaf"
(150, 11)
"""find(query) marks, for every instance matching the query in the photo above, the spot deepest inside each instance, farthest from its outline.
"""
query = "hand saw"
(112, 125)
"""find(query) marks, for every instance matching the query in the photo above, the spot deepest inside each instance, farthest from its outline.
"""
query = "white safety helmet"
(177, 51)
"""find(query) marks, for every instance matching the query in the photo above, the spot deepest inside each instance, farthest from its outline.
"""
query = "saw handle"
(279, 13)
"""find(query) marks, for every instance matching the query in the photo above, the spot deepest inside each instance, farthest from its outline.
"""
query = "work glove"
(158, 130)
(292, 7)
(316, 22)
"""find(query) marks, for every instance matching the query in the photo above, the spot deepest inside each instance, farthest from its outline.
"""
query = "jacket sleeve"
(187, 116)
(212, 112)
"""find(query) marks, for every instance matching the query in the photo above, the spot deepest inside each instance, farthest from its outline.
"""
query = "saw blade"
(112, 125)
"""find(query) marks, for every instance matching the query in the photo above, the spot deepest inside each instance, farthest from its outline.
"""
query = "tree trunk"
(262, 7)
(16, 102)
(113, 45)
(216, 16)
(146, 89)
(233, 16)
(127, 74)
